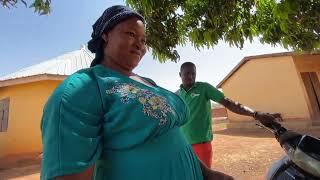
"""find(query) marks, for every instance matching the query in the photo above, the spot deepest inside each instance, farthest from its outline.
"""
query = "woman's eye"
(131, 34)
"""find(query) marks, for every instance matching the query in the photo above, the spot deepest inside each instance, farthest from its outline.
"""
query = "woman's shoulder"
(84, 78)
(79, 89)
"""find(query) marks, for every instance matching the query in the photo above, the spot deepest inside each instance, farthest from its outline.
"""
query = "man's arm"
(265, 118)
(214, 94)
(236, 107)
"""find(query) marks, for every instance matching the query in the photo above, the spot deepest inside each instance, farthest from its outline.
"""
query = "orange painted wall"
(25, 111)
(268, 84)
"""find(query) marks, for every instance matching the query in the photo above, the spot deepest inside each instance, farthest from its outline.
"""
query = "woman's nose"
(138, 46)
(139, 43)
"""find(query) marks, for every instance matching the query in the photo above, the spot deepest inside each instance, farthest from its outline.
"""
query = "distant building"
(23, 95)
(283, 82)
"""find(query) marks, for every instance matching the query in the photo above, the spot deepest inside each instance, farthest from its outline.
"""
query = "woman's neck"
(117, 67)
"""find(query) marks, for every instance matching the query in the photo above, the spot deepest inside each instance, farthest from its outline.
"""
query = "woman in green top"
(106, 122)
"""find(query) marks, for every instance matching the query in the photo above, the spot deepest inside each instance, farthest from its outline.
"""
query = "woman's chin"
(133, 63)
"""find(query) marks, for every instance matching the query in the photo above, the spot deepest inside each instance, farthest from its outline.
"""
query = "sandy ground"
(244, 155)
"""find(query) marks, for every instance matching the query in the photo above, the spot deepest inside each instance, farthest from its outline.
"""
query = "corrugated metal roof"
(65, 64)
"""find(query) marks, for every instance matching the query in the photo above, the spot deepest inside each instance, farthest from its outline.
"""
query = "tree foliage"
(40, 6)
(292, 24)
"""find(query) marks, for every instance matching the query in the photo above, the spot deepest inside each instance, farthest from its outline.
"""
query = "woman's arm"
(209, 174)
(84, 175)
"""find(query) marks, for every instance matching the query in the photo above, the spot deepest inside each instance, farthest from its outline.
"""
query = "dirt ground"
(244, 155)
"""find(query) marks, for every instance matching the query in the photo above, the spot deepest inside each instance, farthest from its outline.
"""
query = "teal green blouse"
(127, 129)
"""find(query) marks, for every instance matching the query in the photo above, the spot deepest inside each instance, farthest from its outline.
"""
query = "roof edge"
(30, 79)
(248, 58)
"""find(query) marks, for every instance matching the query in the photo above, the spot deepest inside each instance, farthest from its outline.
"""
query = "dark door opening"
(312, 85)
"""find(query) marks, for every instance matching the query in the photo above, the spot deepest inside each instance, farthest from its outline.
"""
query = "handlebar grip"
(288, 136)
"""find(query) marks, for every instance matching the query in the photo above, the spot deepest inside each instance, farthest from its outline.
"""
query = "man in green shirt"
(197, 95)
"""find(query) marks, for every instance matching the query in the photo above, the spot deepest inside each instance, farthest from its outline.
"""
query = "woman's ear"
(105, 37)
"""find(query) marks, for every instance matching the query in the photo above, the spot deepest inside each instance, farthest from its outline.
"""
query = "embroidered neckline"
(154, 106)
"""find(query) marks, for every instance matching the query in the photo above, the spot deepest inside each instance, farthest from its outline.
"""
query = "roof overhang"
(30, 79)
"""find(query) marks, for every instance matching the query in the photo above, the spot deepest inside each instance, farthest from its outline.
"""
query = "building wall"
(268, 84)
(310, 64)
(25, 111)
(219, 112)
(307, 63)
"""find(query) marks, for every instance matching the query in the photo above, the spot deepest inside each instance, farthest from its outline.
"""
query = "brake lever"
(260, 125)
(277, 117)
(276, 129)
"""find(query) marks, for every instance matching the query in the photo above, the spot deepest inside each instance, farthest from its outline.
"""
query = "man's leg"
(204, 152)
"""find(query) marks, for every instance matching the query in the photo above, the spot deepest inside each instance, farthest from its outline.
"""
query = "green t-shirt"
(198, 128)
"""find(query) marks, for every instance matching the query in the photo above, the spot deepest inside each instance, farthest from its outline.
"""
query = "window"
(4, 114)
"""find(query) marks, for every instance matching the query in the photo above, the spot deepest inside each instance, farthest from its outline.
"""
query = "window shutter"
(4, 114)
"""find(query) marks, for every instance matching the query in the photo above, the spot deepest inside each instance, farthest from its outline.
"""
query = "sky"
(27, 39)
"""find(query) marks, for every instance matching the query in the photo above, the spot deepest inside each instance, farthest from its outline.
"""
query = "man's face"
(188, 75)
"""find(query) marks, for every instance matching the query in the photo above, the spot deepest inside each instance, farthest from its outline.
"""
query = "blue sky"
(27, 38)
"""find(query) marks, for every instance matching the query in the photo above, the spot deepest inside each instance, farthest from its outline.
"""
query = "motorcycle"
(302, 158)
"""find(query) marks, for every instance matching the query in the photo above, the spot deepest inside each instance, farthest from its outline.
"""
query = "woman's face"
(125, 44)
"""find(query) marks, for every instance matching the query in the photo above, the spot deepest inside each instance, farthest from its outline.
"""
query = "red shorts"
(204, 152)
